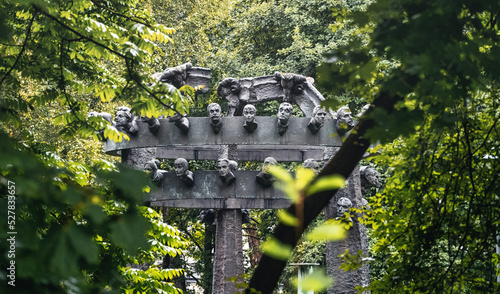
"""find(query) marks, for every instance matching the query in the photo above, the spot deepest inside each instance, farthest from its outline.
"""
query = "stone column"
(345, 282)
(228, 257)
(137, 158)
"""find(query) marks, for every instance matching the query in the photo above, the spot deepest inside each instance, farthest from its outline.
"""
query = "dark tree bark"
(208, 247)
(254, 244)
(267, 273)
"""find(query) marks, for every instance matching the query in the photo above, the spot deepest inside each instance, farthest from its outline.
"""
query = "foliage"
(440, 207)
(79, 225)
(71, 235)
(435, 222)
(68, 48)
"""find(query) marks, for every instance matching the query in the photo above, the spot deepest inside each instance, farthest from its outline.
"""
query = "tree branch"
(120, 14)
(28, 32)
(80, 34)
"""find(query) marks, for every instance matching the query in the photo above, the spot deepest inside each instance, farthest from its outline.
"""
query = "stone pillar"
(228, 257)
(345, 282)
(137, 158)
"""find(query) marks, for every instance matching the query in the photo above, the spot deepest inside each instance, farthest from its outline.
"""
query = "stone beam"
(210, 192)
(232, 132)
(245, 153)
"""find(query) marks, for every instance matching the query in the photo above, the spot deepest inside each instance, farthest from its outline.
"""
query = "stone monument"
(227, 140)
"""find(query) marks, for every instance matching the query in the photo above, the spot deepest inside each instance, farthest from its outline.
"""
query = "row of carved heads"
(126, 122)
(225, 168)
(344, 119)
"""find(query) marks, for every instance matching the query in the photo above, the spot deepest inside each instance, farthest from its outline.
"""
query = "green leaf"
(303, 178)
(284, 182)
(331, 182)
(84, 245)
(125, 231)
(316, 281)
(287, 218)
(330, 231)
(274, 248)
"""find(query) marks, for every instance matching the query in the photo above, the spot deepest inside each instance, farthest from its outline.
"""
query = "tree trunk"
(268, 271)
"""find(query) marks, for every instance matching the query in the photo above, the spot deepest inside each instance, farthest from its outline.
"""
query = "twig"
(28, 32)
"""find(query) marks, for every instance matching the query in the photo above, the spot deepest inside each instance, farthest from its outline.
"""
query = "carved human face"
(312, 164)
(149, 167)
(235, 87)
(249, 113)
(285, 111)
(121, 118)
(223, 167)
(320, 116)
(343, 206)
(181, 166)
(214, 112)
(267, 163)
(344, 117)
(371, 176)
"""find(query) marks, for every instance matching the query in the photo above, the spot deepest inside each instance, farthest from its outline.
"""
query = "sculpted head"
(181, 166)
(369, 177)
(343, 206)
(312, 164)
(267, 163)
(150, 167)
(249, 112)
(228, 86)
(223, 167)
(319, 114)
(344, 116)
(285, 111)
(214, 112)
(123, 116)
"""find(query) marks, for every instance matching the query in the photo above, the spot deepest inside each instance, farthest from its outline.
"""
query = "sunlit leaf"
(275, 249)
(316, 281)
(330, 231)
(325, 183)
(303, 178)
(287, 218)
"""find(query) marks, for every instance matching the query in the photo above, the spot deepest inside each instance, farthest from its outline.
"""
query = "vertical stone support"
(345, 282)
(137, 158)
(228, 258)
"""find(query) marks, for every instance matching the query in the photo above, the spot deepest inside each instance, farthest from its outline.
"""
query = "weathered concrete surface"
(186, 74)
(137, 158)
(266, 88)
(232, 133)
(345, 282)
(210, 192)
(199, 78)
(245, 153)
(228, 258)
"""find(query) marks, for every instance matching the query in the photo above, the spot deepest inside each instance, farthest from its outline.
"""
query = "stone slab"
(245, 153)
